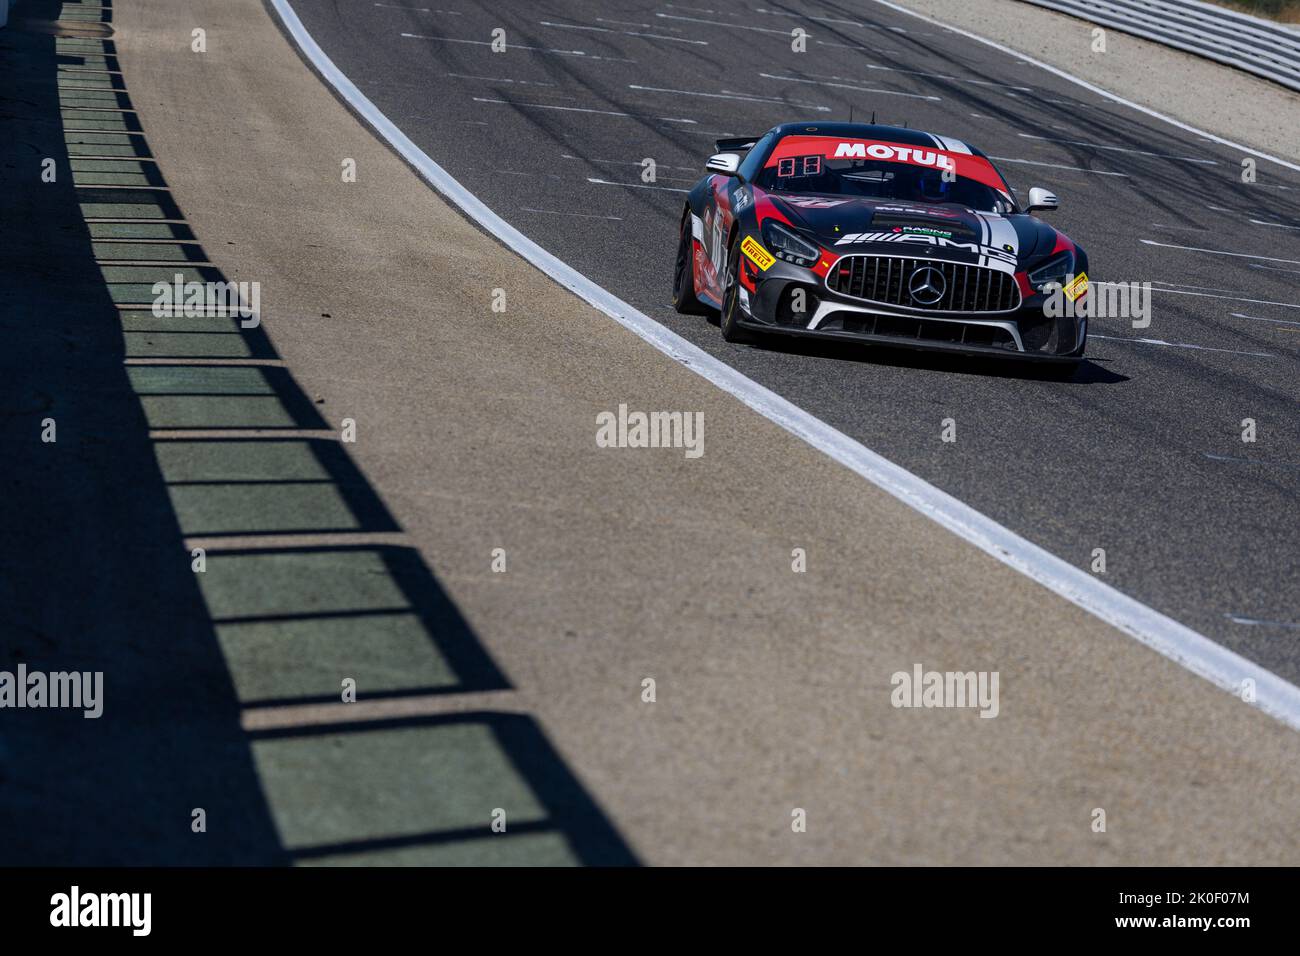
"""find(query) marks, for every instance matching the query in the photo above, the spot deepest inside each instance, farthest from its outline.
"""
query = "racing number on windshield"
(799, 166)
(717, 230)
(719, 254)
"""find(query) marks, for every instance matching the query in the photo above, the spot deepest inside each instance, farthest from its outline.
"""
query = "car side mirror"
(725, 163)
(1040, 198)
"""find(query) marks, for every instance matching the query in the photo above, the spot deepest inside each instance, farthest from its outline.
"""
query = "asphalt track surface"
(1141, 454)
(366, 559)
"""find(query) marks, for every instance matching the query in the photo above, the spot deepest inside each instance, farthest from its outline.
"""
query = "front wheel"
(729, 321)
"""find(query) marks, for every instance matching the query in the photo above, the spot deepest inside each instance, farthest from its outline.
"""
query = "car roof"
(888, 134)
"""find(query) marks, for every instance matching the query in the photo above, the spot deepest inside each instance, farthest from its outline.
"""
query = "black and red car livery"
(876, 233)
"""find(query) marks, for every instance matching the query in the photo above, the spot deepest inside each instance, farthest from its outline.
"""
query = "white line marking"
(627, 162)
(847, 46)
(580, 215)
(846, 86)
(955, 79)
(937, 76)
(500, 79)
(627, 33)
(1077, 169)
(1237, 619)
(801, 16)
(1256, 265)
(1091, 87)
(721, 13)
(1118, 149)
(606, 182)
(1179, 345)
(1177, 642)
(516, 46)
(719, 23)
(576, 26)
(579, 109)
(730, 96)
(1218, 252)
(660, 36)
(1199, 288)
(1256, 318)
(1232, 298)
(1275, 225)
(630, 23)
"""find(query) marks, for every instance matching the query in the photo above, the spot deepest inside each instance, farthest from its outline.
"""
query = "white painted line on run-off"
(1177, 642)
(1025, 60)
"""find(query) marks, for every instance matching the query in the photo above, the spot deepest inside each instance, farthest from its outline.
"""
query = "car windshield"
(895, 172)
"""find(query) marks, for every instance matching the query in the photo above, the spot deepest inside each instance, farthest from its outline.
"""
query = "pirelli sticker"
(752, 248)
(1077, 287)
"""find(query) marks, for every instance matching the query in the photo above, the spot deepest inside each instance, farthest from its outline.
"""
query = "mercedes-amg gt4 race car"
(881, 234)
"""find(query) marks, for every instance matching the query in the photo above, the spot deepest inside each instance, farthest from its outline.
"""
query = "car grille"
(884, 279)
(921, 330)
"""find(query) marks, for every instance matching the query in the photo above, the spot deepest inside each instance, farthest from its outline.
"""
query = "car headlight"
(788, 246)
(1054, 272)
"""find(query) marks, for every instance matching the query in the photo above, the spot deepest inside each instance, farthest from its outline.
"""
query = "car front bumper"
(1026, 333)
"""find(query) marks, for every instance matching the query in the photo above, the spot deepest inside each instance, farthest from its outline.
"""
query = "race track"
(1141, 454)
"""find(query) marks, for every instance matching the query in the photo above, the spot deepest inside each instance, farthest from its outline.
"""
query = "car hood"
(947, 231)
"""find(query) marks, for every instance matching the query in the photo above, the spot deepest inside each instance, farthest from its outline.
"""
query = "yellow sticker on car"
(756, 253)
(1078, 287)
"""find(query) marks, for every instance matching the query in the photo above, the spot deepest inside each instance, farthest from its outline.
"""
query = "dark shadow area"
(431, 610)
(568, 810)
(1086, 372)
(93, 575)
(95, 566)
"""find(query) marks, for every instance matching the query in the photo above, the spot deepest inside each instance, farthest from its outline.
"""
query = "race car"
(881, 234)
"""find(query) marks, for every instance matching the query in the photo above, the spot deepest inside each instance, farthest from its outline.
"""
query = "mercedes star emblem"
(927, 285)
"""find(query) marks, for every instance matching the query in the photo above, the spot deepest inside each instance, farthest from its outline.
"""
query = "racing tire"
(729, 319)
(684, 299)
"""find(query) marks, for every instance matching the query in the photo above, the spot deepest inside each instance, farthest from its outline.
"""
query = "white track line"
(1230, 298)
(718, 23)
(1275, 225)
(730, 96)
(579, 215)
(516, 46)
(1200, 655)
(1217, 252)
(1076, 169)
(578, 109)
(630, 33)
(1256, 318)
(935, 76)
(1178, 345)
(606, 182)
(846, 86)
(1118, 149)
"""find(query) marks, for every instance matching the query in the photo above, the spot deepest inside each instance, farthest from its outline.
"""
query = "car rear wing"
(735, 143)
